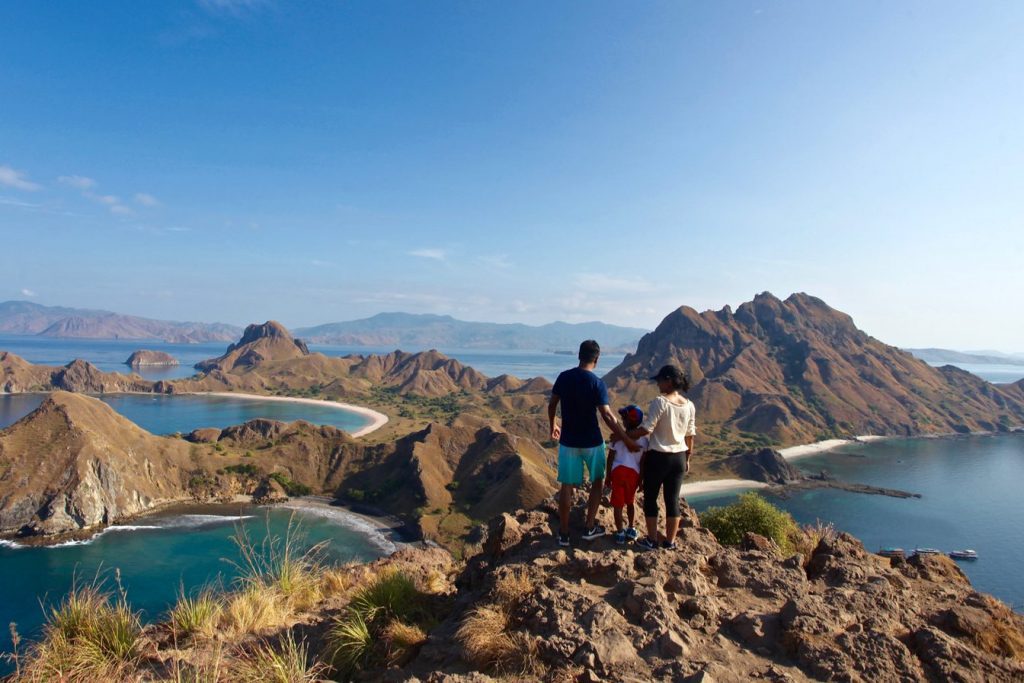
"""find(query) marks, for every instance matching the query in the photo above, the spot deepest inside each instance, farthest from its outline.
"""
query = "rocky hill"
(145, 357)
(24, 317)
(75, 463)
(18, 375)
(412, 331)
(798, 370)
(259, 343)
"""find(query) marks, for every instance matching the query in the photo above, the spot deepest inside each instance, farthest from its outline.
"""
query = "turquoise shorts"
(571, 461)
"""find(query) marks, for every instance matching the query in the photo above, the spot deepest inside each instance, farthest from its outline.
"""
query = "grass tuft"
(351, 643)
(288, 662)
(197, 615)
(89, 635)
(490, 646)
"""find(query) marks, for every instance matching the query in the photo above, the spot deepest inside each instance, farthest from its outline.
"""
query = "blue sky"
(239, 160)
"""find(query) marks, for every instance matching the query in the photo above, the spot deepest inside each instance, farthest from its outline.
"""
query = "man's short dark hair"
(589, 351)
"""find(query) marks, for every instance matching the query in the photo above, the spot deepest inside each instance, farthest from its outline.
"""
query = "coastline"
(802, 450)
(377, 419)
(721, 485)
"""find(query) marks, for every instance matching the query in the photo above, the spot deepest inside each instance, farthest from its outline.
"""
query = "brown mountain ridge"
(798, 370)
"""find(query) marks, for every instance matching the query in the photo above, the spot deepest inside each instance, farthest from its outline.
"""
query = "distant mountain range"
(936, 356)
(25, 317)
(400, 330)
(419, 331)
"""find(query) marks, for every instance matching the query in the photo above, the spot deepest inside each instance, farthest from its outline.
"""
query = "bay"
(970, 498)
(166, 552)
(169, 414)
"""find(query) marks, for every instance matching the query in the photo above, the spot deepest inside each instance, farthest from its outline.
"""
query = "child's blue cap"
(631, 413)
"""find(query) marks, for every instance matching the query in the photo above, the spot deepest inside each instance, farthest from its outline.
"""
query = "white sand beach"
(822, 446)
(377, 420)
(719, 485)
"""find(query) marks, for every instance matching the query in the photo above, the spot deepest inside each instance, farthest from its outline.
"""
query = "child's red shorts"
(624, 481)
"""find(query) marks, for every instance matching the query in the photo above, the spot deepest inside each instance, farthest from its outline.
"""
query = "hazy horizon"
(517, 163)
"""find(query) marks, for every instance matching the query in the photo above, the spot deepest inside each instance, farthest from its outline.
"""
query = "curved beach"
(377, 420)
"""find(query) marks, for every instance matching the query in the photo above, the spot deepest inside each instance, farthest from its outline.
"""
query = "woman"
(671, 425)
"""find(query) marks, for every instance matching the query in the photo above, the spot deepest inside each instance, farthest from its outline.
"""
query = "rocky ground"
(601, 612)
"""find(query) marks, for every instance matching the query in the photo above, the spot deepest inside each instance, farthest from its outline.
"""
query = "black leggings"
(663, 468)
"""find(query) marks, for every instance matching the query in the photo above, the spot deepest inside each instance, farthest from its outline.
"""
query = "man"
(583, 396)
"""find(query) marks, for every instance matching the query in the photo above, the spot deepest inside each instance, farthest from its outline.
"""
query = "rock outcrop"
(259, 343)
(600, 612)
(797, 370)
(18, 375)
(74, 463)
(145, 357)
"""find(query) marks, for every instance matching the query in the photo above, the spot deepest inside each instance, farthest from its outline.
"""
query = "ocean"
(970, 498)
(110, 355)
(164, 553)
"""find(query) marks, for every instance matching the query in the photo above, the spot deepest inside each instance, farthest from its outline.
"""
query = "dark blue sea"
(970, 498)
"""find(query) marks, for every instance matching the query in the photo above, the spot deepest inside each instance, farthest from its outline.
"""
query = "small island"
(144, 357)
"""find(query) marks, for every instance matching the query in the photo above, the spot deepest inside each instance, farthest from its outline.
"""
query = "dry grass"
(335, 581)
(435, 582)
(402, 641)
(806, 539)
(197, 615)
(490, 646)
(89, 636)
(280, 564)
(255, 609)
(287, 662)
(511, 587)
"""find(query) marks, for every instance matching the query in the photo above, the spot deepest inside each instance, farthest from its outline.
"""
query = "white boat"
(927, 551)
(964, 554)
(891, 552)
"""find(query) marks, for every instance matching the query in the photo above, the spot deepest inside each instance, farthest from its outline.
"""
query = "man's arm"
(609, 419)
(608, 468)
(556, 430)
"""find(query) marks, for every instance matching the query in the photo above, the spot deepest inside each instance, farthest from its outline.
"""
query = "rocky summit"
(798, 370)
(145, 357)
(259, 343)
(704, 612)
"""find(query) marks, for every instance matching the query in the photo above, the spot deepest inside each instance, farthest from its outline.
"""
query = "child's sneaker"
(647, 544)
(563, 540)
(620, 537)
(632, 534)
(669, 546)
(591, 534)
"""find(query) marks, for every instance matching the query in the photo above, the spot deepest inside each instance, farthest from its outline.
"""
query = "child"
(624, 481)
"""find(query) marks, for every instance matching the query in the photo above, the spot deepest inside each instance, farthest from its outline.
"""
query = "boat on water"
(964, 554)
(891, 552)
(927, 551)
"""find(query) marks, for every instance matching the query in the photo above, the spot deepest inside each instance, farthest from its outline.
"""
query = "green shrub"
(292, 488)
(246, 468)
(750, 513)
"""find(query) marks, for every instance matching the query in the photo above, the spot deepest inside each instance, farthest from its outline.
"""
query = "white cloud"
(146, 199)
(16, 179)
(121, 210)
(14, 202)
(436, 254)
(79, 182)
(27, 292)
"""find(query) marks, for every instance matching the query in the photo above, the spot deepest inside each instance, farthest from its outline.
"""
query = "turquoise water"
(182, 413)
(970, 488)
(164, 551)
(109, 355)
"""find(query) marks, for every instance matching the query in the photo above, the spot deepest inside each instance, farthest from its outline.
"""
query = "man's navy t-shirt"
(580, 392)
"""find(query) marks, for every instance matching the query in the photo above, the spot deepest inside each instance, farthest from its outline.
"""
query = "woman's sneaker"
(620, 537)
(591, 534)
(647, 544)
(669, 546)
(632, 534)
